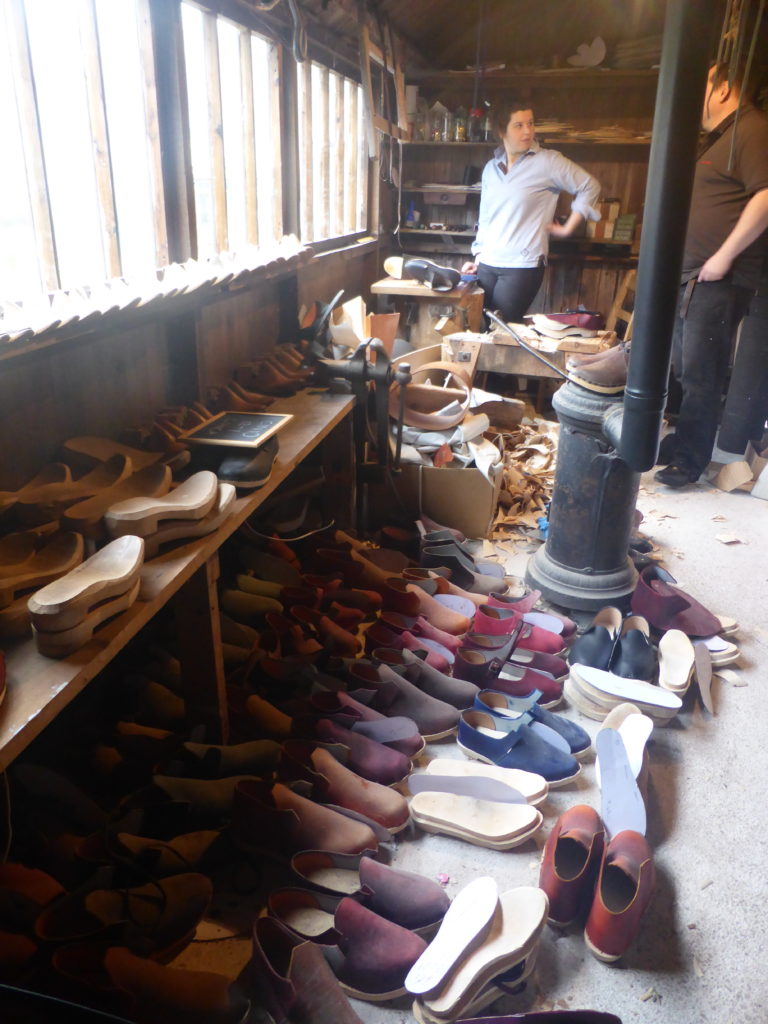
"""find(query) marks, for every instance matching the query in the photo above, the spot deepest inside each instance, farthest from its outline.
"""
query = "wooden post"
(198, 627)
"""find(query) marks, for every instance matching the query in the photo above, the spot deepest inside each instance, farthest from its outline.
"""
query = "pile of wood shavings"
(529, 457)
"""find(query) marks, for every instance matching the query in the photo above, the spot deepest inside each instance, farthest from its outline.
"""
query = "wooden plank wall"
(110, 379)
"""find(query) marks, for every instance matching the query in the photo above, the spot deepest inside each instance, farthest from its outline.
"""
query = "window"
(332, 154)
(234, 123)
(81, 198)
(81, 183)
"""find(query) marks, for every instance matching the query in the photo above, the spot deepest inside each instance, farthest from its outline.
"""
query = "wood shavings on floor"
(529, 457)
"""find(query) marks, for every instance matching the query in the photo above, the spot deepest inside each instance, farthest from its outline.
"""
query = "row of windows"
(81, 181)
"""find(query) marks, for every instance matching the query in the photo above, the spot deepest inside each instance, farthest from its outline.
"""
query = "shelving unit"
(39, 687)
(581, 269)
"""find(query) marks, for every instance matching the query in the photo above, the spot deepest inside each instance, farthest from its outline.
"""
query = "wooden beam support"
(198, 625)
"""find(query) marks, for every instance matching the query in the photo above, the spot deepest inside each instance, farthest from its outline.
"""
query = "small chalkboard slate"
(238, 429)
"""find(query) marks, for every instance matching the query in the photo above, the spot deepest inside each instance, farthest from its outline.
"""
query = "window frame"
(167, 119)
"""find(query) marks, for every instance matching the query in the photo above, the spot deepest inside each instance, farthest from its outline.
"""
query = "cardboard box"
(454, 496)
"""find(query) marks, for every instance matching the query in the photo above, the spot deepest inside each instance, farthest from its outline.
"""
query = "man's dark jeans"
(701, 350)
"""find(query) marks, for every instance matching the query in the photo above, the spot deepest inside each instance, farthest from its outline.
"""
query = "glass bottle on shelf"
(488, 134)
(475, 125)
(460, 125)
(447, 127)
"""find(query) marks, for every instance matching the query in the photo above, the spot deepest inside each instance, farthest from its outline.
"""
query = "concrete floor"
(700, 957)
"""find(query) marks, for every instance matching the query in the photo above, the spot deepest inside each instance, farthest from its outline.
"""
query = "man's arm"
(750, 225)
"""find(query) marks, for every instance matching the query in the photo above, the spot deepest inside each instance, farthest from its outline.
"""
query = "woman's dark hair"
(503, 110)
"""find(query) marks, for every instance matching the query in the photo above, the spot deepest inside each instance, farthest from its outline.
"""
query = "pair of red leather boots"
(579, 865)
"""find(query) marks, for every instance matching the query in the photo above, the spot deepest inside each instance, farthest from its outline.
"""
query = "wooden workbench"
(467, 300)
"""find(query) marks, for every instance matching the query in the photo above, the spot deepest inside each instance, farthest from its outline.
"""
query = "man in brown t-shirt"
(724, 249)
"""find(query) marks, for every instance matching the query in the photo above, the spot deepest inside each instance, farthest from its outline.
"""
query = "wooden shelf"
(39, 687)
(431, 232)
(548, 141)
(591, 78)
(456, 190)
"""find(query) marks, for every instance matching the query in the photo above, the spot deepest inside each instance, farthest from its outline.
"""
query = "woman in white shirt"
(520, 187)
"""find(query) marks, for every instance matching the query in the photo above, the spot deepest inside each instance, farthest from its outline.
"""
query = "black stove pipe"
(689, 34)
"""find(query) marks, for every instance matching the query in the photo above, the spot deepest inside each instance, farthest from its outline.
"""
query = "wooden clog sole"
(67, 641)
(153, 481)
(187, 529)
(193, 499)
(533, 787)
(513, 935)
(608, 689)
(62, 554)
(55, 474)
(480, 822)
(466, 922)
(92, 449)
(109, 573)
(48, 502)
(676, 660)
(493, 990)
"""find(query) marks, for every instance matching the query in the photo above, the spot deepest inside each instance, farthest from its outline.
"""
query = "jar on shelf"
(460, 125)
(475, 125)
(447, 127)
(488, 133)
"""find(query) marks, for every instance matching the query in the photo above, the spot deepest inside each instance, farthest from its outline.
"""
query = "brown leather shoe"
(624, 889)
(570, 860)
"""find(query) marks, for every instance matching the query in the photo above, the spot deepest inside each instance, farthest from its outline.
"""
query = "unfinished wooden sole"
(66, 602)
(56, 558)
(49, 502)
(86, 516)
(513, 936)
(55, 474)
(67, 641)
(676, 661)
(84, 452)
(193, 499)
(495, 826)
(466, 922)
(532, 786)
(189, 529)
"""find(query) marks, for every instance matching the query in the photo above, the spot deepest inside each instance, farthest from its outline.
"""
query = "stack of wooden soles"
(66, 612)
(481, 804)
(194, 508)
(595, 692)
(486, 945)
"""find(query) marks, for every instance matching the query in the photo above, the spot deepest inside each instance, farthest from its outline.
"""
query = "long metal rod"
(524, 344)
(689, 31)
